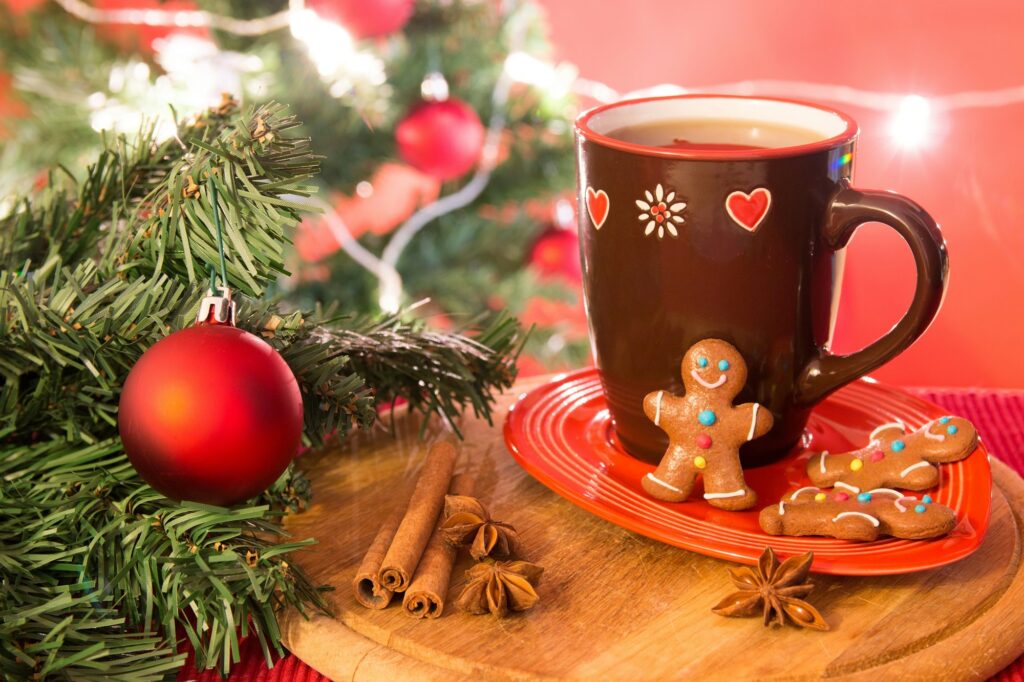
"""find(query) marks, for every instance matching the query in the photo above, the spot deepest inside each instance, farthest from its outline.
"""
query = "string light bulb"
(911, 125)
(434, 87)
(333, 52)
(555, 79)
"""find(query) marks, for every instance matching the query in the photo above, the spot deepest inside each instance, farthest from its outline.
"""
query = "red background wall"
(969, 175)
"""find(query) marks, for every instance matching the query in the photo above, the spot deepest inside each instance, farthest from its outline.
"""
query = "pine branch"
(433, 372)
(102, 574)
(71, 340)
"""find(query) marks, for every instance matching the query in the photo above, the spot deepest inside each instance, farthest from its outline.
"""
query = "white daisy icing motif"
(660, 213)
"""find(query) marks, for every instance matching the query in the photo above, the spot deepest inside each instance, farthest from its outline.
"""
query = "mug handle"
(849, 209)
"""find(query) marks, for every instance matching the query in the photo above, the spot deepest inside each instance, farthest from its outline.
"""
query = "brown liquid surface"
(714, 135)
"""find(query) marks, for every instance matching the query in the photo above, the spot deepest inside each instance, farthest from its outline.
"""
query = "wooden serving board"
(615, 605)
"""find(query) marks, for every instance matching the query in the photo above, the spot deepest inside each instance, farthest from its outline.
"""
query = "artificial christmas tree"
(353, 72)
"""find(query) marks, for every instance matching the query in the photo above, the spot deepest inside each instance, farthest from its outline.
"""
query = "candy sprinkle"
(856, 465)
(707, 417)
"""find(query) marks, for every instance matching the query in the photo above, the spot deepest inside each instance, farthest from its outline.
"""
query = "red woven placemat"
(998, 415)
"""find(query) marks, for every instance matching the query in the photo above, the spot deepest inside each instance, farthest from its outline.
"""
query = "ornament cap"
(217, 309)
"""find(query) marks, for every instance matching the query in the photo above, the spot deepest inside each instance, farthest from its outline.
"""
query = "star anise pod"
(775, 590)
(467, 522)
(499, 587)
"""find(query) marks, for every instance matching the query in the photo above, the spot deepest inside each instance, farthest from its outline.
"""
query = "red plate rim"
(965, 487)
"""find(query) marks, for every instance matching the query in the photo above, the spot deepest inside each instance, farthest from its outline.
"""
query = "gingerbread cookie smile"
(709, 384)
(705, 429)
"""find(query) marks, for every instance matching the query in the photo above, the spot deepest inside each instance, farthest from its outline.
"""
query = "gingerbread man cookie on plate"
(895, 458)
(863, 517)
(705, 430)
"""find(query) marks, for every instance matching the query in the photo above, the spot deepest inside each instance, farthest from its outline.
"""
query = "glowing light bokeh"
(911, 125)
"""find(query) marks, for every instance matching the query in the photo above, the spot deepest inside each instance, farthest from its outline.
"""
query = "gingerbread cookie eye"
(702, 362)
(723, 365)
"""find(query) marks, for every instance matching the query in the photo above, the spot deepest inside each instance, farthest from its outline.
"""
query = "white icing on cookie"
(933, 436)
(897, 424)
(846, 486)
(821, 462)
(782, 507)
(753, 421)
(797, 493)
(899, 502)
(899, 496)
(903, 474)
(869, 517)
(707, 384)
(719, 496)
(663, 484)
(897, 493)
(657, 407)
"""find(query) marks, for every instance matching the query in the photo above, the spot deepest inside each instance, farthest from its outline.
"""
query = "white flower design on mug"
(660, 213)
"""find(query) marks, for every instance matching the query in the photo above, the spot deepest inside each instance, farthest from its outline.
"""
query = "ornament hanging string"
(220, 242)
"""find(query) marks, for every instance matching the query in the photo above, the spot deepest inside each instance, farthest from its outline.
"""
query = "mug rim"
(583, 129)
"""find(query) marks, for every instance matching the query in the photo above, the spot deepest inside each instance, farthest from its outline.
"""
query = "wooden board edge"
(333, 649)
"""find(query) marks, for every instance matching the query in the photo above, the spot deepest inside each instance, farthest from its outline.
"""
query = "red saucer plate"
(561, 434)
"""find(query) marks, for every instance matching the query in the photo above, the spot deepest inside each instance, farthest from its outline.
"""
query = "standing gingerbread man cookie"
(705, 430)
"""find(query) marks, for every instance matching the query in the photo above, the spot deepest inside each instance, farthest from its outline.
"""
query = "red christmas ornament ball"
(556, 253)
(210, 413)
(365, 18)
(443, 139)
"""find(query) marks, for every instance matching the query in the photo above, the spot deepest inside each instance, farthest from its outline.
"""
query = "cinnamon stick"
(369, 591)
(420, 518)
(425, 596)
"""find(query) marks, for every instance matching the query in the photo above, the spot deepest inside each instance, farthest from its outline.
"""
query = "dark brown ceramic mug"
(741, 244)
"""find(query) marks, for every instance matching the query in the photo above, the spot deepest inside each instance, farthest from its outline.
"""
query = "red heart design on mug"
(748, 210)
(597, 206)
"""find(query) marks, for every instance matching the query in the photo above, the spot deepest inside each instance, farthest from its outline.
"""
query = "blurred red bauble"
(365, 18)
(212, 414)
(443, 139)
(19, 7)
(556, 252)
